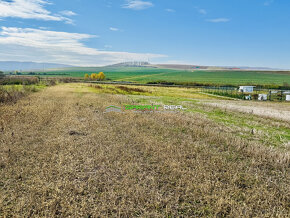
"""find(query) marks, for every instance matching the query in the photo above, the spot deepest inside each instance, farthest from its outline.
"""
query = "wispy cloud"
(138, 4)
(218, 20)
(202, 11)
(29, 9)
(114, 29)
(170, 10)
(40, 45)
(268, 2)
(68, 13)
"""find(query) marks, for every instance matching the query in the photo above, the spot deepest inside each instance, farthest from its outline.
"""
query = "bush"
(67, 80)
(10, 94)
(19, 80)
(51, 82)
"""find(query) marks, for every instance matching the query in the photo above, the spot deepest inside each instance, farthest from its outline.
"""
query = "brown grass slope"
(60, 155)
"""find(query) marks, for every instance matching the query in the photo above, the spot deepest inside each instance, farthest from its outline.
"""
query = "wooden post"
(281, 95)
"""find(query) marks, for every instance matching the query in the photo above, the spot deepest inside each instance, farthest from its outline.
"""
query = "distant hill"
(33, 66)
(180, 66)
(131, 64)
(199, 67)
(26, 66)
(174, 74)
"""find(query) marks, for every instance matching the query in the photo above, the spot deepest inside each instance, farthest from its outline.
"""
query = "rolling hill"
(179, 74)
(27, 66)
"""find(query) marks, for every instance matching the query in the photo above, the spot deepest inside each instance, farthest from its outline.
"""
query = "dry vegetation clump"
(66, 79)
(128, 89)
(51, 81)
(62, 156)
(95, 86)
(124, 90)
(13, 93)
(14, 88)
(19, 80)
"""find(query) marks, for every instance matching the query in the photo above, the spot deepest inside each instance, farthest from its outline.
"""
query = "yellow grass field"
(62, 156)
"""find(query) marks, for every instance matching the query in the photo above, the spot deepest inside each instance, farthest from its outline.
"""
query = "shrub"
(19, 80)
(12, 94)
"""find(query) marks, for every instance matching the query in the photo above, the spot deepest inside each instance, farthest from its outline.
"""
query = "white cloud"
(268, 2)
(138, 4)
(218, 20)
(68, 13)
(43, 28)
(170, 10)
(29, 9)
(114, 29)
(202, 11)
(27, 44)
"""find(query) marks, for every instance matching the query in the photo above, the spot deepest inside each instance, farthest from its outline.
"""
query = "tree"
(101, 76)
(87, 76)
(93, 76)
(98, 77)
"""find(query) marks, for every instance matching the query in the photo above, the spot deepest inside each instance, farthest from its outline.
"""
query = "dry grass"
(154, 91)
(130, 164)
(12, 93)
(277, 110)
(95, 86)
(20, 80)
(128, 89)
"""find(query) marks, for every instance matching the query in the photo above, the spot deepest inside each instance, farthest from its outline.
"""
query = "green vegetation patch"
(157, 75)
(244, 125)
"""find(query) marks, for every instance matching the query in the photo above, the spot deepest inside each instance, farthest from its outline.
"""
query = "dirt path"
(60, 155)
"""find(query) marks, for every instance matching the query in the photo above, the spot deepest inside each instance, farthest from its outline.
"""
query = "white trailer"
(247, 89)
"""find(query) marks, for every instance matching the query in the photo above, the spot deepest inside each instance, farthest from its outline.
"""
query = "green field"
(145, 75)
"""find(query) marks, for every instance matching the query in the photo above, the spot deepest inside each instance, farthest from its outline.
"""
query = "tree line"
(100, 76)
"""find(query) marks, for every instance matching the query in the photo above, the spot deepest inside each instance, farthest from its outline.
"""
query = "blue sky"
(99, 32)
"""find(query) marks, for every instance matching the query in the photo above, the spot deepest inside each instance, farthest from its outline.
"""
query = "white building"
(248, 89)
(263, 97)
